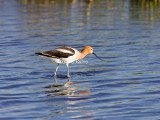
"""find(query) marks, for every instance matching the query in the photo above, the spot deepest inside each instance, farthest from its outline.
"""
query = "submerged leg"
(68, 71)
(56, 70)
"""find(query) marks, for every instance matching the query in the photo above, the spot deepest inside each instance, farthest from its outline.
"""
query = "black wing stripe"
(55, 54)
(44, 55)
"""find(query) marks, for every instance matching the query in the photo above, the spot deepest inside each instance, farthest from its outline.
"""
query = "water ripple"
(124, 87)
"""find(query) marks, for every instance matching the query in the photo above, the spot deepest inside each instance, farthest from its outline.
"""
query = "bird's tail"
(44, 55)
(38, 53)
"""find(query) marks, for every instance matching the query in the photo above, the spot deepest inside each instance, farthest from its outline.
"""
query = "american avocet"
(66, 55)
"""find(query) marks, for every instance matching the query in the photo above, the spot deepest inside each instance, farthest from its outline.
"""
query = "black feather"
(39, 53)
(43, 54)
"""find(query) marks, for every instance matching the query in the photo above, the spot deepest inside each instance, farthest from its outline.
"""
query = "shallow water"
(124, 33)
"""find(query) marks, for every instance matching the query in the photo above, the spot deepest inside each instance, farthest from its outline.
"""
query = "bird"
(66, 55)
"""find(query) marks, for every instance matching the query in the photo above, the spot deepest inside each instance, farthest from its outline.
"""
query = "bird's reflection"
(65, 97)
(68, 88)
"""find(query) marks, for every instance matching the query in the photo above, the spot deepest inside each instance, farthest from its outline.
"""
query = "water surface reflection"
(63, 99)
(125, 32)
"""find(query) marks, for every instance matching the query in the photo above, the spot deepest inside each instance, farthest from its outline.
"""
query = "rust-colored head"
(87, 50)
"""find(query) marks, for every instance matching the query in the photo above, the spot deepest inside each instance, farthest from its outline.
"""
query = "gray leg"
(68, 71)
(56, 70)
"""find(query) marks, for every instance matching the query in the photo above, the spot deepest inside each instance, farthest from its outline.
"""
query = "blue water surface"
(125, 33)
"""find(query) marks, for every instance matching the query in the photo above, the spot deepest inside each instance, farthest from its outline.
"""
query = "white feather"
(64, 51)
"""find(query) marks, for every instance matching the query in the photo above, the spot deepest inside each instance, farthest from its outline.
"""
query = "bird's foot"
(54, 74)
(68, 76)
(55, 78)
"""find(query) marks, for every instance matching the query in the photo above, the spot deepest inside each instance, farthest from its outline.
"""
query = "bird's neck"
(82, 54)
